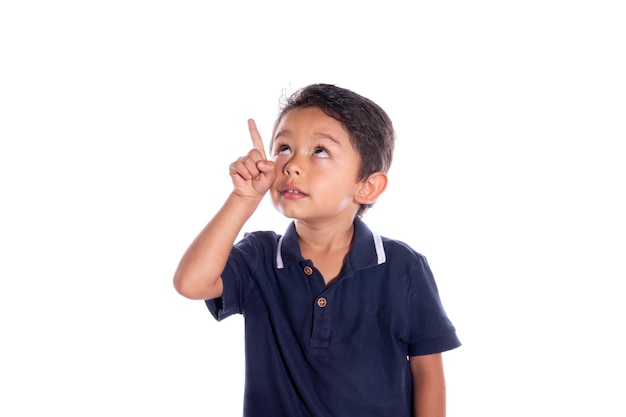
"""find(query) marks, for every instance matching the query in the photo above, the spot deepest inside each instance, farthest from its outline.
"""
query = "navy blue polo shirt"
(339, 350)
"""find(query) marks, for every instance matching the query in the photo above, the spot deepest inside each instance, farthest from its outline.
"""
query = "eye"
(282, 150)
(321, 152)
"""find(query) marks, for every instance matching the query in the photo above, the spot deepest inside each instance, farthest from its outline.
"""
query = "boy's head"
(370, 128)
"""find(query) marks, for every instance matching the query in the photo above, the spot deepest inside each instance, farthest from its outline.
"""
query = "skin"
(429, 386)
(312, 178)
(316, 184)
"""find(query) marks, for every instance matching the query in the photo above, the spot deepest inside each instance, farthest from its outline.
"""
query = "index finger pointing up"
(257, 141)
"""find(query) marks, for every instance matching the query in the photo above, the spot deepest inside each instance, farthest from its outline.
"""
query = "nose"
(293, 166)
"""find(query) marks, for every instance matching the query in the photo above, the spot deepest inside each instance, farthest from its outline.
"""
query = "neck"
(331, 237)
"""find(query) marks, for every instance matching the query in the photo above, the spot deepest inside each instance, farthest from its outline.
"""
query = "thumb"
(268, 168)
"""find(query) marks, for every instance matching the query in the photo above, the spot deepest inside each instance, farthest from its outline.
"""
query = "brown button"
(321, 302)
(308, 270)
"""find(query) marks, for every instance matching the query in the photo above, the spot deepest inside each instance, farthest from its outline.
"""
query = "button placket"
(322, 318)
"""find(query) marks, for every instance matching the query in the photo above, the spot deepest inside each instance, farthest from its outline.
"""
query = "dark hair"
(370, 128)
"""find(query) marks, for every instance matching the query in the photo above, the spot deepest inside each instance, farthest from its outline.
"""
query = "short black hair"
(370, 128)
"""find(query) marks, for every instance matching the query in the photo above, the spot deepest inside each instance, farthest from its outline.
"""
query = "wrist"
(248, 202)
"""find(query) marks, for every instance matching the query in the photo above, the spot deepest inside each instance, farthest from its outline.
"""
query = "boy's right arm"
(198, 275)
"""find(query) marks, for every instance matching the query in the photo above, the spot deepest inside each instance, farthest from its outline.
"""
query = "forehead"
(310, 120)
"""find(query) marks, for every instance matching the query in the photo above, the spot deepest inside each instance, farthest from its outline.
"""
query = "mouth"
(292, 192)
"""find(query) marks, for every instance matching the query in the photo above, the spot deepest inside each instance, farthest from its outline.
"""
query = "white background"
(118, 121)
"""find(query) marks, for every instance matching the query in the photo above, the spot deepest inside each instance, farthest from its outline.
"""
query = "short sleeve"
(230, 301)
(429, 328)
(234, 278)
(251, 255)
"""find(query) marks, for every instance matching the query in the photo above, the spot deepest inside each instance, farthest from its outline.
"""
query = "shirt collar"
(367, 248)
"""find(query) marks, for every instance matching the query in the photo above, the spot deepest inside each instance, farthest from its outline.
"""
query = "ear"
(371, 188)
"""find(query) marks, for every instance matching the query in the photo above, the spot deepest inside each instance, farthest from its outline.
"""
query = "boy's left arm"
(429, 386)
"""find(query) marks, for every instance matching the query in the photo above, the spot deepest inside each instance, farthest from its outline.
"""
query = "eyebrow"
(318, 135)
(281, 133)
(327, 136)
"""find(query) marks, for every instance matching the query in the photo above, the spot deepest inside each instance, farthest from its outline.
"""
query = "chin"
(288, 214)
(282, 210)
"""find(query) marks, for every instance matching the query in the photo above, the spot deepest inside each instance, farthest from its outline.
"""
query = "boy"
(338, 320)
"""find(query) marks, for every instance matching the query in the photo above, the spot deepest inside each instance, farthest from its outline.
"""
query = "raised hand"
(253, 174)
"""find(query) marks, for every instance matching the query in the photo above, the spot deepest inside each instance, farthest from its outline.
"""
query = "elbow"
(196, 289)
(181, 286)
(184, 287)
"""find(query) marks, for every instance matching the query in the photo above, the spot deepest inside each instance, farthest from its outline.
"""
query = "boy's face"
(316, 167)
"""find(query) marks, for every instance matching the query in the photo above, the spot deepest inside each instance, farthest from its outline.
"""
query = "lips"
(291, 191)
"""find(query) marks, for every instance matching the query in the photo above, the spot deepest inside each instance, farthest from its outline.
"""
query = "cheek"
(275, 196)
(280, 160)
